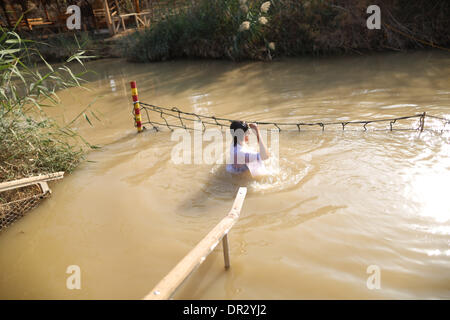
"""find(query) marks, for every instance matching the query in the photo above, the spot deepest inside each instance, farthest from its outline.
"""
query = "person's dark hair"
(235, 126)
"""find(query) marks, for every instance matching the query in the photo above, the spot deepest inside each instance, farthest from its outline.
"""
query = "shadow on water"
(220, 187)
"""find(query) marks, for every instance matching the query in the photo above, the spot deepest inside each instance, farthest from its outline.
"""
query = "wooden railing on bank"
(40, 180)
(172, 281)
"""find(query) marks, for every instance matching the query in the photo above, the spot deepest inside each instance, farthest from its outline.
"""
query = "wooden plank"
(29, 181)
(127, 15)
(139, 20)
(171, 282)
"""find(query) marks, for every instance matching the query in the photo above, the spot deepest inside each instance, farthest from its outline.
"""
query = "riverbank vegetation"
(61, 46)
(249, 29)
(257, 29)
(31, 142)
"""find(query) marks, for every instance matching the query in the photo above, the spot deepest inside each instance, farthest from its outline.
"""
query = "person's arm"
(265, 154)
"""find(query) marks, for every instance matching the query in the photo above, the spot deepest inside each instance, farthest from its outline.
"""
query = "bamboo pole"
(172, 281)
(29, 181)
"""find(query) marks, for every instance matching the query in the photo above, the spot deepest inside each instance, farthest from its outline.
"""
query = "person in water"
(242, 159)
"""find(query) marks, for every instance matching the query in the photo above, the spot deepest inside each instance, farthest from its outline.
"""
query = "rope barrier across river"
(162, 116)
(157, 116)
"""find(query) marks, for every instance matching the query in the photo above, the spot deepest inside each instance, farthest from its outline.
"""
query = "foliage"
(31, 142)
(241, 29)
(210, 29)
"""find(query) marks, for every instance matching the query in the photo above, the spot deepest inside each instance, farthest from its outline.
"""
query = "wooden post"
(123, 23)
(108, 18)
(137, 110)
(422, 121)
(172, 281)
(136, 6)
(120, 20)
(226, 254)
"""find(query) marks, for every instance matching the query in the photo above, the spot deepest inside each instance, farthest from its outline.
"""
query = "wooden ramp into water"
(172, 281)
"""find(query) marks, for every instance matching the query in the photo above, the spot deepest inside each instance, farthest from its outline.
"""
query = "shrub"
(242, 29)
(210, 29)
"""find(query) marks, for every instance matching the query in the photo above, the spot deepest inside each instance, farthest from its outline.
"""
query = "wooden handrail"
(172, 281)
(29, 181)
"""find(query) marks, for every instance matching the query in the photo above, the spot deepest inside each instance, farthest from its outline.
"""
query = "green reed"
(30, 141)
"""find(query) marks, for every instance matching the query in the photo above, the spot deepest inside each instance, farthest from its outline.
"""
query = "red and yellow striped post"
(137, 110)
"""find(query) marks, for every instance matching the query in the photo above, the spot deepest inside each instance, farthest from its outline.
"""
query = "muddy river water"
(342, 204)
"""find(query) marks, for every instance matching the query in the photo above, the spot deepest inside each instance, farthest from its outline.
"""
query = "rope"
(183, 118)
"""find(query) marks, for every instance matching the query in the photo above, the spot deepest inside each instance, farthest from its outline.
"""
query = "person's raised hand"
(253, 126)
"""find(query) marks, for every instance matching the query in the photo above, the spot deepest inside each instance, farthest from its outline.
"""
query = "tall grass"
(30, 141)
(60, 46)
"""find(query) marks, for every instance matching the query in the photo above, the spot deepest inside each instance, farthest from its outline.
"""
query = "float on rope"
(137, 111)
